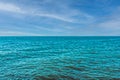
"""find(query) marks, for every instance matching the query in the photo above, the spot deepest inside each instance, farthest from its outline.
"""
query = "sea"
(59, 58)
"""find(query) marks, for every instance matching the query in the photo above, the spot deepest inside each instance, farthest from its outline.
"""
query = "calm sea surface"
(59, 58)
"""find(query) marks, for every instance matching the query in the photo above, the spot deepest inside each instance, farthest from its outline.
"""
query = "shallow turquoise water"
(59, 58)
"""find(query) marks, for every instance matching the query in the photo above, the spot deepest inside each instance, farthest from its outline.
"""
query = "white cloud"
(10, 8)
(54, 16)
(112, 21)
(111, 24)
(18, 33)
(65, 13)
(49, 29)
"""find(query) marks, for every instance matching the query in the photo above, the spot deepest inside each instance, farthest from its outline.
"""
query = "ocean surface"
(59, 58)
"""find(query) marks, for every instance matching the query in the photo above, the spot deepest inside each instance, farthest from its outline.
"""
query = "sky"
(59, 17)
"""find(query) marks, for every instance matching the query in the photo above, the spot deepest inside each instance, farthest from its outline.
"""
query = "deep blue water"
(59, 58)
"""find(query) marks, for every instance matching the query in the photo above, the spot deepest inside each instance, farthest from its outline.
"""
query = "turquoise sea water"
(59, 58)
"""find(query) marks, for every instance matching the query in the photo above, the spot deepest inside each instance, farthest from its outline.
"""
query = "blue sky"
(59, 17)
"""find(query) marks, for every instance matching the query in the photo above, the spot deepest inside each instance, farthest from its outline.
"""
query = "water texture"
(59, 58)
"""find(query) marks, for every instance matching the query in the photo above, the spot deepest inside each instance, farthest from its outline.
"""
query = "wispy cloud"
(65, 13)
(54, 16)
(18, 33)
(10, 8)
(112, 21)
(111, 24)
